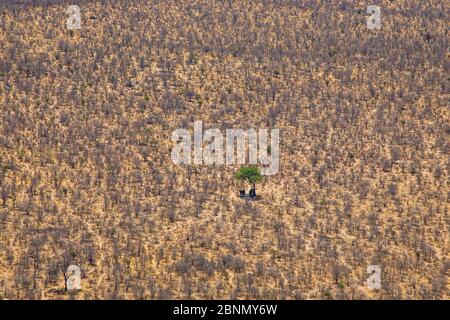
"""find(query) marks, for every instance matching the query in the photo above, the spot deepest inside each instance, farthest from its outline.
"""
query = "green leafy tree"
(251, 174)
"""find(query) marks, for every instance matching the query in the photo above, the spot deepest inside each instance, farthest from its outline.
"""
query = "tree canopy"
(251, 174)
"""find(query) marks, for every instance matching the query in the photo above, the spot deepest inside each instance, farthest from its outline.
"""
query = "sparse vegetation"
(86, 176)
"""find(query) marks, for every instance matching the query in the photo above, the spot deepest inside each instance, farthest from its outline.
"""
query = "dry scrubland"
(86, 175)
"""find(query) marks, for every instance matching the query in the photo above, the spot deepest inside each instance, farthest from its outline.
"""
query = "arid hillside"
(86, 175)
